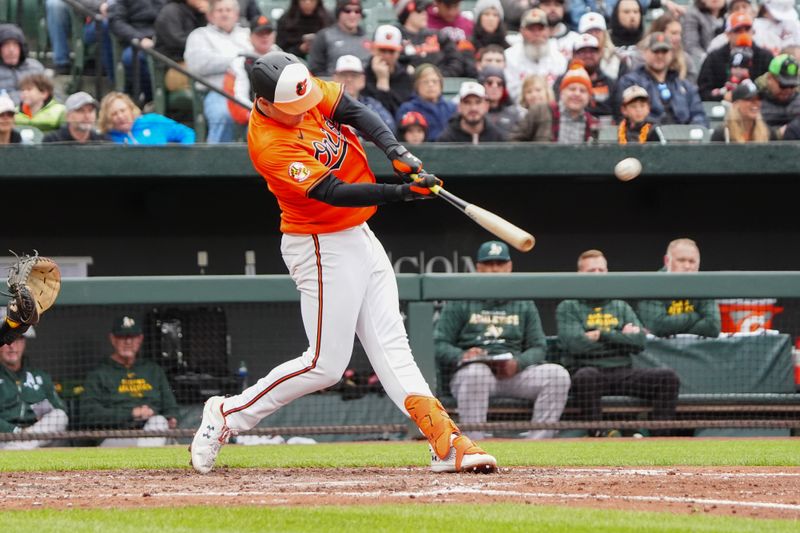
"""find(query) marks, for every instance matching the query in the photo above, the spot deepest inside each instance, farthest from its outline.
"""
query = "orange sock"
(434, 422)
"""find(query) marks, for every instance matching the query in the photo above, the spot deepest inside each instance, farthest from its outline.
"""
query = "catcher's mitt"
(33, 285)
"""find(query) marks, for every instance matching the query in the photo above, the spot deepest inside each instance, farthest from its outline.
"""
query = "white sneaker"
(464, 456)
(210, 437)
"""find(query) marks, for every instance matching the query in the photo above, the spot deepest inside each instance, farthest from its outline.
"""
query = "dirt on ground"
(749, 492)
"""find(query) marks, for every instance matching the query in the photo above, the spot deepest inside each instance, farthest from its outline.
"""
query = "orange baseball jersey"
(292, 159)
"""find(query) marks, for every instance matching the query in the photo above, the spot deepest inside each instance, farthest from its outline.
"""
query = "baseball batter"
(300, 142)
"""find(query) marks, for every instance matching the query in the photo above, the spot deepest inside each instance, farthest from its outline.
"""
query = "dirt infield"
(750, 492)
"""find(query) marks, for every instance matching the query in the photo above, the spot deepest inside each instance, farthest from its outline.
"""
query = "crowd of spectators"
(680, 55)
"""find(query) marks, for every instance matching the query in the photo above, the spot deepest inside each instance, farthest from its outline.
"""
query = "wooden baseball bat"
(500, 227)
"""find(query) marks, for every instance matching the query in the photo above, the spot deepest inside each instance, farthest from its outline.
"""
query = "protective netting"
(741, 380)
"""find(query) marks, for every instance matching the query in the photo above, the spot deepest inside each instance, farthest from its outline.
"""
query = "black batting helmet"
(284, 81)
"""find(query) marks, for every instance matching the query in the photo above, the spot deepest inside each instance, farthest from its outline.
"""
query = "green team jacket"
(112, 391)
(670, 317)
(614, 348)
(20, 390)
(49, 118)
(497, 325)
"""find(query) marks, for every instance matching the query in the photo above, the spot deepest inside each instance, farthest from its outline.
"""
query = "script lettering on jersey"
(135, 387)
(332, 149)
(600, 320)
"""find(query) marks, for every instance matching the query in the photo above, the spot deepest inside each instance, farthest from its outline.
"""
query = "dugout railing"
(264, 325)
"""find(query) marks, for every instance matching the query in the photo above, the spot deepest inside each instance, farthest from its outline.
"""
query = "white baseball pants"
(347, 285)
(547, 384)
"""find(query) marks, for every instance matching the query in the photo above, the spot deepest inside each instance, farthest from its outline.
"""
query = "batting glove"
(404, 163)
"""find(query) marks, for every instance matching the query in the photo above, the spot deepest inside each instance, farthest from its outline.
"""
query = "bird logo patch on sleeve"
(298, 172)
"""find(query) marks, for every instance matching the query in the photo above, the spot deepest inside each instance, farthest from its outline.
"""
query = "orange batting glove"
(404, 163)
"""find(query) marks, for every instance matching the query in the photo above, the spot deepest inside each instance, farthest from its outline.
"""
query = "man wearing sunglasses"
(716, 69)
(778, 88)
(672, 100)
(346, 37)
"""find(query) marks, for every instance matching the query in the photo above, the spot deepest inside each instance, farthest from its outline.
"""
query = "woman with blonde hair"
(124, 123)
(682, 63)
(743, 123)
(535, 90)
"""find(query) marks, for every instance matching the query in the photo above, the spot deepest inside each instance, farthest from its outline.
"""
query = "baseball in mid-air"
(627, 169)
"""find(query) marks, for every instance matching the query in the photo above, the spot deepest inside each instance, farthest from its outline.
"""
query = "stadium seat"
(607, 134)
(4, 16)
(30, 134)
(273, 9)
(685, 133)
(376, 16)
(452, 85)
(715, 112)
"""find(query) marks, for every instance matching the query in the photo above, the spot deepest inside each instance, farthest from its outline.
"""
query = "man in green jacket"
(599, 337)
(28, 400)
(497, 348)
(128, 393)
(664, 318)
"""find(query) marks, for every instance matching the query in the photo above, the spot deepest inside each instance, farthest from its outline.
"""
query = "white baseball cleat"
(464, 456)
(210, 437)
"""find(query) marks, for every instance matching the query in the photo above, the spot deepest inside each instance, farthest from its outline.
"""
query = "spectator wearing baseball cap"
(128, 392)
(566, 121)
(8, 135)
(345, 37)
(490, 28)
(472, 329)
(428, 100)
(780, 100)
(81, 123)
(777, 26)
(423, 45)
(349, 72)
(595, 25)
(682, 63)
(586, 52)
(672, 100)
(503, 112)
(237, 77)
(716, 72)
(635, 127)
(536, 53)
(743, 122)
(299, 25)
(413, 128)
(470, 124)
(388, 81)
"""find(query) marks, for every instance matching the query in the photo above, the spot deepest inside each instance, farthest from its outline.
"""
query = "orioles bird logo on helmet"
(301, 88)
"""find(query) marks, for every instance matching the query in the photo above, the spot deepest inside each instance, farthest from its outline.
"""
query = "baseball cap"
(341, 4)
(782, 10)
(471, 88)
(740, 19)
(591, 21)
(746, 90)
(658, 41)
(348, 63)
(491, 72)
(413, 118)
(261, 23)
(126, 326)
(533, 16)
(784, 67)
(283, 80)
(493, 251)
(6, 103)
(78, 100)
(585, 40)
(388, 37)
(634, 92)
(404, 7)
